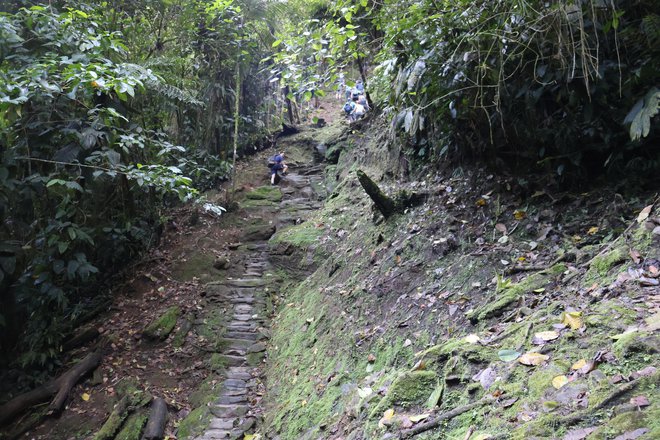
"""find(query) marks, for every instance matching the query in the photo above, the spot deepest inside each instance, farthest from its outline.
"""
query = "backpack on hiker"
(271, 162)
(348, 107)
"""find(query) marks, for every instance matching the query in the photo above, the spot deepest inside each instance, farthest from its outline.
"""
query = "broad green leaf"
(508, 355)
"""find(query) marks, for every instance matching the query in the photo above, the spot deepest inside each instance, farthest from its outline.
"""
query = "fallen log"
(60, 387)
(155, 429)
(115, 420)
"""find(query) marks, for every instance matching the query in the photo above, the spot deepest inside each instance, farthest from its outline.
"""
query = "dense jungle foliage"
(111, 111)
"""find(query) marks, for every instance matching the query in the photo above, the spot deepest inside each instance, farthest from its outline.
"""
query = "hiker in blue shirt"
(359, 87)
(279, 165)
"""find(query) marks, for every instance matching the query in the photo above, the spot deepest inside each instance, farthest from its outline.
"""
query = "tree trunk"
(385, 205)
(155, 429)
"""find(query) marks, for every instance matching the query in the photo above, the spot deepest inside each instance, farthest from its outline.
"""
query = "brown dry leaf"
(371, 358)
(644, 214)
(420, 365)
(533, 358)
(559, 381)
(572, 319)
(635, 255)
(579, 364)
(501, 227)
(386, 420)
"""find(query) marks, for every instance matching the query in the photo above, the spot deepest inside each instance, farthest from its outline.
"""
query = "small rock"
(371, 358)
(221, 263)
(256, 348)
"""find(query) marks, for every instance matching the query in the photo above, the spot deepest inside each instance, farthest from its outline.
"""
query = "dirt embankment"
(488, 307)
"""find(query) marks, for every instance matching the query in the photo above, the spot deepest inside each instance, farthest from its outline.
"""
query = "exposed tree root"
(60, 387)
(435, 422)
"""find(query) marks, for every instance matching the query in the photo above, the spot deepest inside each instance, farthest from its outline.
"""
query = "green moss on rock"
(161, 327)
(194, 424)
(410, 388)
(271, 193)
(133, 426)
(602, 264)
(511, 294)
(301, 236)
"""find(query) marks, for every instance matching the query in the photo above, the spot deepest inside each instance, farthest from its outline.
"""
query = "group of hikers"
(356, 106)
(356, 101)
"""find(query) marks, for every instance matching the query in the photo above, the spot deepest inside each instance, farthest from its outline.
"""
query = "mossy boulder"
(301, 236)
(270, 193)
(509, 295)
(259, 232)
(162, 326)
(408, 389)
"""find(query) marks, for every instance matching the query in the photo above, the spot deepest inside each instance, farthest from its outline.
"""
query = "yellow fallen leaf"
(644, 214)
(85, 397)
(541, 290)
(386, 419)
(579, 364)
(416, 419)
(559, 381)
(472, 339)
(572, 319)
(532, 358)
(592, 230)
(519, 214)
(482, 437)
(550, 335)
(303, 403)
(481, 202)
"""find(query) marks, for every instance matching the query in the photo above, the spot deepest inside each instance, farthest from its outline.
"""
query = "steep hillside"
(487, 308)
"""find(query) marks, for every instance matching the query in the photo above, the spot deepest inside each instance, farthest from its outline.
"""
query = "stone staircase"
(235, 412)
(243, 349)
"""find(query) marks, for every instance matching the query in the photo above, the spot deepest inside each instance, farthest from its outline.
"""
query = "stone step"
(234, 392)
(237, 375)
(232, 361)
(223, 423)
(215, 434)
(244, 308)
(240, 343)
(242, 326)
(253, 336)
(228, 410)
(247, 282)
(235, 351)
(241, 317)
(234, 383)
(228, 400)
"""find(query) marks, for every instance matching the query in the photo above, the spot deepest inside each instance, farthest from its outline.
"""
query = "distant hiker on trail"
(276, 164)
(359, 86)
(362, 100)
(341, 86)
(358, 110)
